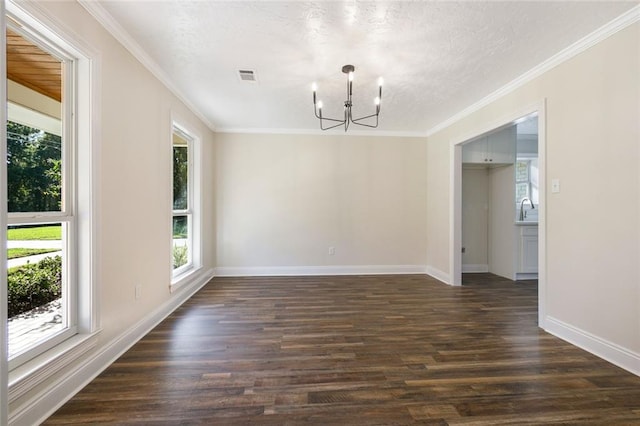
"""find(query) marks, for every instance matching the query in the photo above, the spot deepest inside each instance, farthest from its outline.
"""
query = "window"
(527, 180)
(40, 200)
(522, 180)
(49, 198)
(185, 229)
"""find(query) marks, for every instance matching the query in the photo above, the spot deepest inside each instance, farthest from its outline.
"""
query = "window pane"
(181, 255)
(522, 171)
(180, 177)
(34, 169)
(35, 284)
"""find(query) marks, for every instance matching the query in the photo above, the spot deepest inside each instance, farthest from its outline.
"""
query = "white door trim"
(455, 196)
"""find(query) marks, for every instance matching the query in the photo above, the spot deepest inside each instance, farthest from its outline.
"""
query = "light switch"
(555, 186)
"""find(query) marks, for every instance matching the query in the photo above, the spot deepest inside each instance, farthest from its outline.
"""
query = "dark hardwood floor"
(365, 350)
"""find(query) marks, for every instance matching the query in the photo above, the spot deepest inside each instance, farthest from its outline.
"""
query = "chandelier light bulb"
(351, 76)
(319, 104)
(314, 86)
(376, 101)
(380, 81)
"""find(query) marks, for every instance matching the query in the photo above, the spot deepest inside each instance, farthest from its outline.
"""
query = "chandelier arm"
(331, 119)
(365, 117)
(315, 111)
(366, 125)
(331, 127)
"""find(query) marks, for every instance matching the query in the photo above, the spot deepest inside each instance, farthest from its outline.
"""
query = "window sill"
(25, 377)
(185, 278)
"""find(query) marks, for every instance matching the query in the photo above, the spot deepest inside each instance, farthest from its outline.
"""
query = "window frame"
(84, 108)
(67, 214)
(181, 275)
(4, 364)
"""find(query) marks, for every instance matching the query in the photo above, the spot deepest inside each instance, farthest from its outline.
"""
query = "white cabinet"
(475, 152)
(496, 148)
(528, 248)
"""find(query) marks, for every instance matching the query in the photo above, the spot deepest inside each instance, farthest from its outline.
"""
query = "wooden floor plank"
(360, 350)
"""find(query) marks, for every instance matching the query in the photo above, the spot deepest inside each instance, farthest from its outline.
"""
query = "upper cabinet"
(495, 148)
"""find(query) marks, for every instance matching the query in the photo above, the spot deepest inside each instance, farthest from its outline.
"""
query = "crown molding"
(621, 22)
(318, 132)
(105, 19)
(111, 25)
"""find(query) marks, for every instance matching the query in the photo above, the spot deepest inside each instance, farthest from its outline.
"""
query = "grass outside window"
(35, 233)
(15, 253)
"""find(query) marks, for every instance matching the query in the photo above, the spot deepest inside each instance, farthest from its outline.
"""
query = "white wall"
(283, 200)
(502, 237)
(475, 217)
(593, 224)
(133, 199)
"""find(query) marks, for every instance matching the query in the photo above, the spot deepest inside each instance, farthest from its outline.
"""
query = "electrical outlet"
(464, 249)
(332, 251)
(138, 290)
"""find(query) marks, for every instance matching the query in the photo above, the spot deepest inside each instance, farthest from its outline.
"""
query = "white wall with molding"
(286, 200)
(592, 232)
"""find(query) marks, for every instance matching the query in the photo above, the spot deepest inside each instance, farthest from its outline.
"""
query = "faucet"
(522, 214)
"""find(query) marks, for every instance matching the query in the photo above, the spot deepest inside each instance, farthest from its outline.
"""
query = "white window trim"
(187, 273)
(4, 365)
(87, 131)
(67, 214)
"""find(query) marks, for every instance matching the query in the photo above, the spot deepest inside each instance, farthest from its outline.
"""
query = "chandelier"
(348, 118)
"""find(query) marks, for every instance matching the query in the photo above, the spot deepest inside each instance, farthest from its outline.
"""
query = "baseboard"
(615, 354)
(46, 402)
(255, 271)
(471, 268)
(526, 276)
(438, 275)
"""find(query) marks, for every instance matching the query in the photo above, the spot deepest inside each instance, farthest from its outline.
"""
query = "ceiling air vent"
(247, 75)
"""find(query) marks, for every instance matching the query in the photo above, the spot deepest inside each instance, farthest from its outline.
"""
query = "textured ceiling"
(436, 57)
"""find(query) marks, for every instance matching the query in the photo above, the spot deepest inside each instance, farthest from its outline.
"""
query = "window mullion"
(35, 219)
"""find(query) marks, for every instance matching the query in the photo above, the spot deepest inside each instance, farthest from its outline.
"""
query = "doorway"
(456, 193)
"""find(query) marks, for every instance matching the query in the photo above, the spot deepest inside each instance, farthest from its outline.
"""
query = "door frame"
(455, 195)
